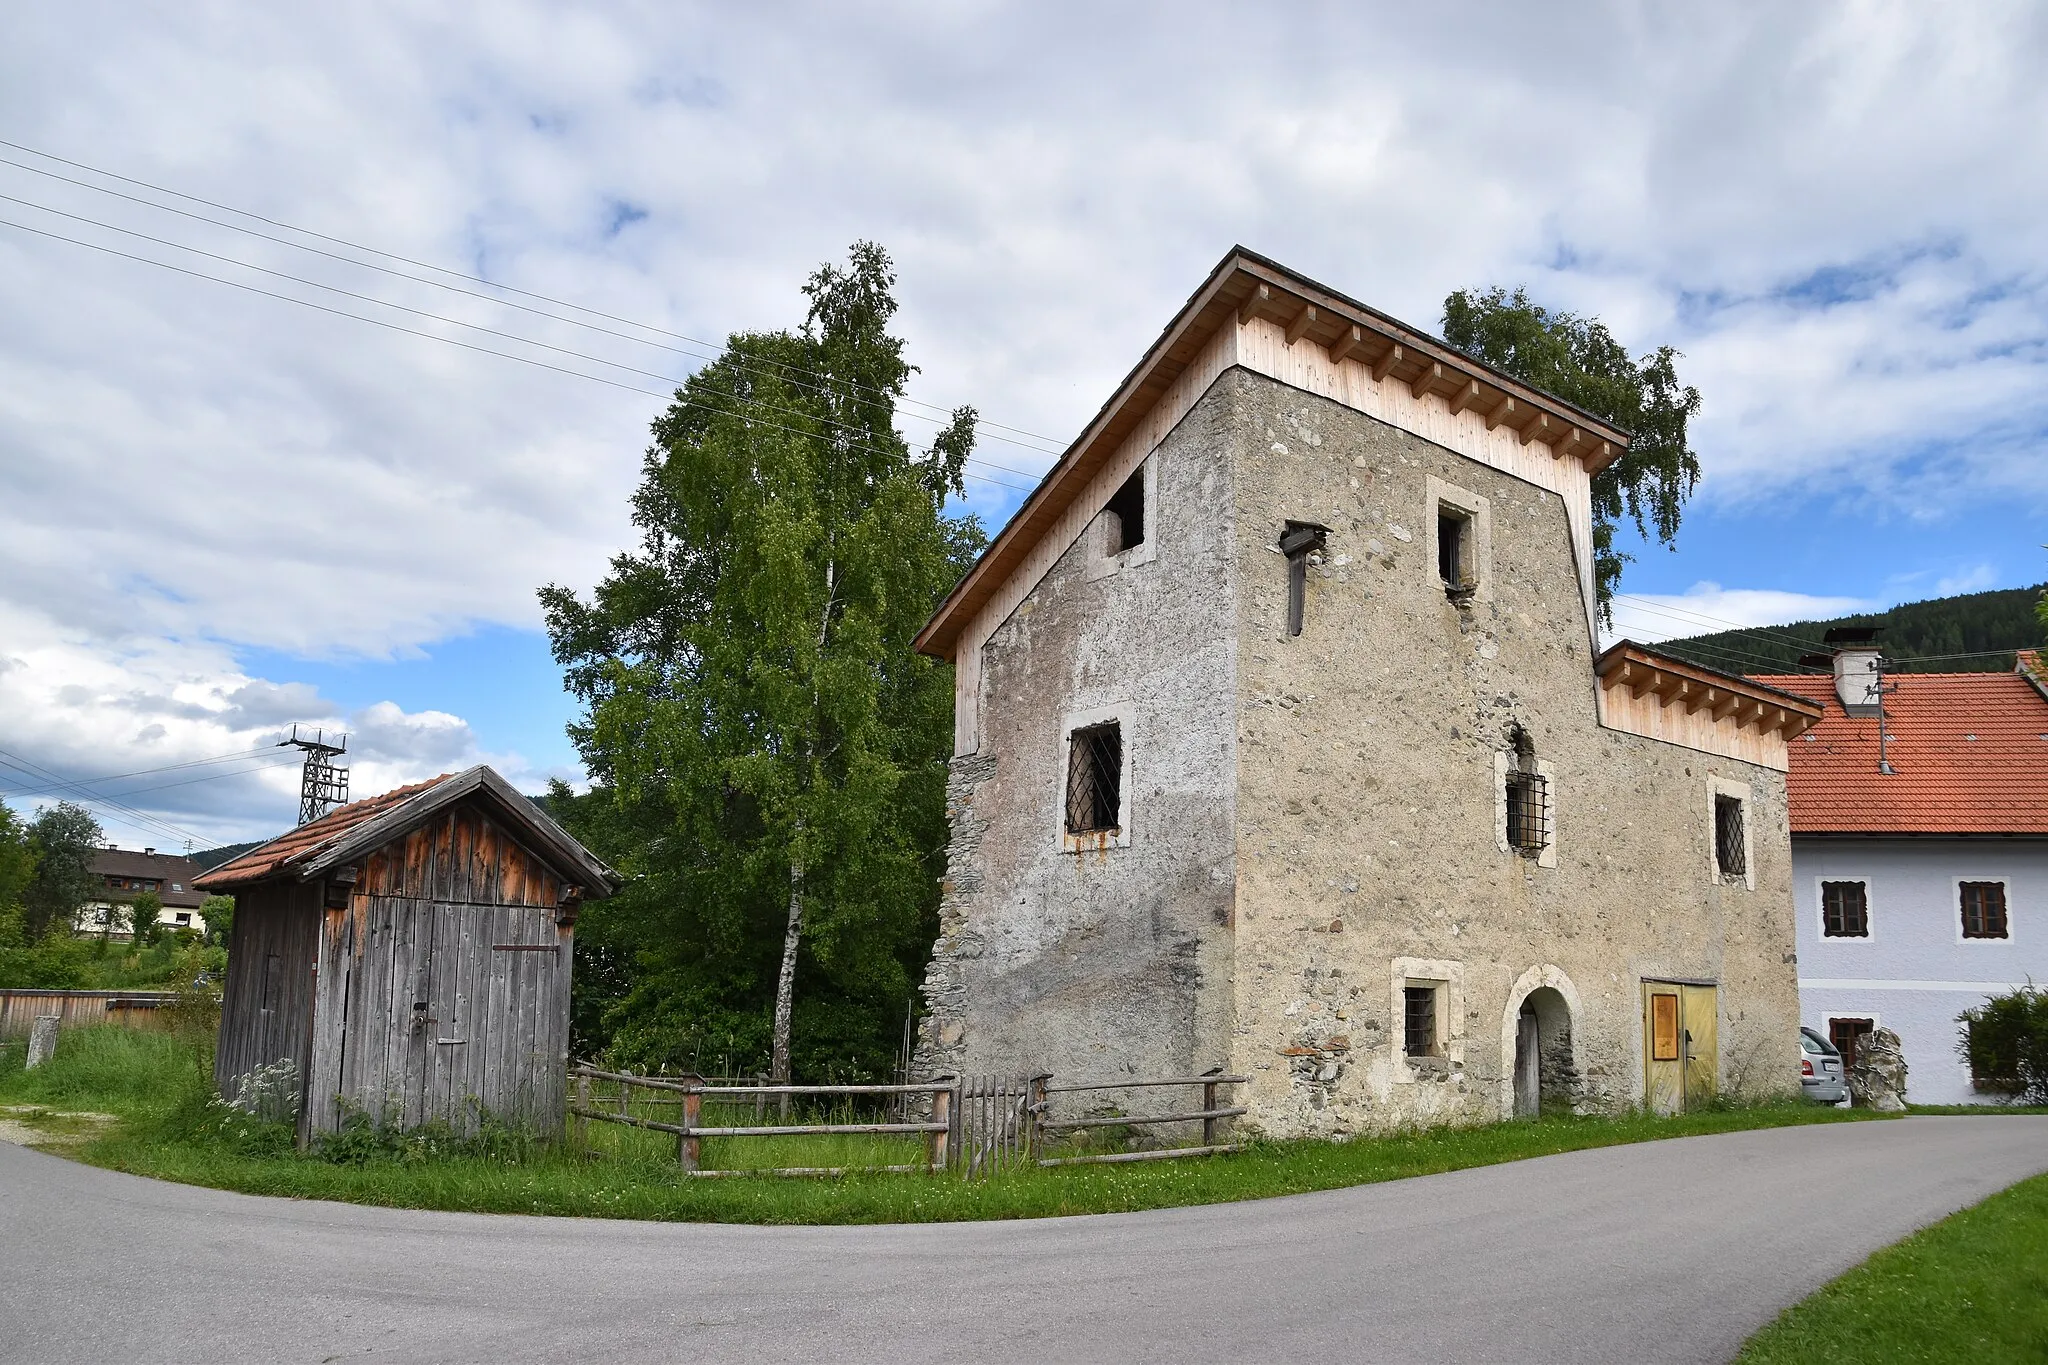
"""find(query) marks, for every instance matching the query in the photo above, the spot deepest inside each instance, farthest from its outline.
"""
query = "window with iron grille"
(1844, 910)
(1528, 798)
(1095, 768)
(1418, 1021)
(1983, 909)
(1731, 854)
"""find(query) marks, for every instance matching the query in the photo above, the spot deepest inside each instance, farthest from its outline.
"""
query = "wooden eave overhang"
(1245, 285)
(1674, 682)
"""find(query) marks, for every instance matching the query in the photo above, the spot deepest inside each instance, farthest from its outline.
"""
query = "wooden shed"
(409, 954)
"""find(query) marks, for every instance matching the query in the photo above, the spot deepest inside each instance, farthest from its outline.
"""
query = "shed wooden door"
(1699, 1015)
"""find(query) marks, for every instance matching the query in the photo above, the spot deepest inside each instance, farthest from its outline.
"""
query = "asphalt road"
(1663, 1251)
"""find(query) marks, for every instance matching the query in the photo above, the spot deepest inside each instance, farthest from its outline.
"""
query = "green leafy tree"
(1578, 359)
(768, 752)
(218, 913)
(142, 917)
(17, 865)
(66, 838)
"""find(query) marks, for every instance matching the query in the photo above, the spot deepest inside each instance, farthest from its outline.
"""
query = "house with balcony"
(119, 875)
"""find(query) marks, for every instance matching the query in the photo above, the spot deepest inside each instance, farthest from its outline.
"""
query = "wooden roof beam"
(1541, 429)
(1466, 397)
(1424, 382)
(1261, 295)
(1349, 343)
(1384, 366)
(1502, 410)
(1567, 443)
(1726, 706)
(1303, 320)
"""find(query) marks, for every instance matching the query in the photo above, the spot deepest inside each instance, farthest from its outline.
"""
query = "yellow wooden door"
(1700, 1019)
(1663, 1048)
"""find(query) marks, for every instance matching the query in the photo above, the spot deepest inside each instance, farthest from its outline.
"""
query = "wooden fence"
(81, 1009)
(977, 1125)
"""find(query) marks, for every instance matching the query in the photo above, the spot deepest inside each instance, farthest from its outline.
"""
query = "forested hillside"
(1924, 637)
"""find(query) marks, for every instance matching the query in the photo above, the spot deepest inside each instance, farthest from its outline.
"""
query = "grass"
(155, 1087)
(1972, 1287)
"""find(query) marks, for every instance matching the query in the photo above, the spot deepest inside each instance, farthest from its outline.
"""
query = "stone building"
(1283, 745)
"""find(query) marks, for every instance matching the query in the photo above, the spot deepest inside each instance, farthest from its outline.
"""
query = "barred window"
(1095, 767)
(1528, 811)
(1844, 910)
(1984, 910)
(1418, 1021)
(1731, 852)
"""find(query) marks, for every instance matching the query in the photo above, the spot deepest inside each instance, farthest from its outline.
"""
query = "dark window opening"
(1731, 856)
(1844, 910)
(1418, 1021)
(1528, 798)
(273, 982)
(1453, 549)
(1984, 910)
(1095, 768)
(1298, 541)
(1843, 1033)
(1126, 509)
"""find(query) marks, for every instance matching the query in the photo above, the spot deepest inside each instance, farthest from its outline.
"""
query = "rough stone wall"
(1114, 961)
(1367, 819)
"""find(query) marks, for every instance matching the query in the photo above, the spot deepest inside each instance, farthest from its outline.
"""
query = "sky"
(231, 504)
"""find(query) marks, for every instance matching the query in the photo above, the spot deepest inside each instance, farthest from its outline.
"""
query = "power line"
(712, 349)
(438, 317)
(1731, 650)
(138, 819)
(1669, 608)
(430, 336)
(252, 767)
(168, 767)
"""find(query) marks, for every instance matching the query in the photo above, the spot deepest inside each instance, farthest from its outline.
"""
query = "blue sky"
(224, 510)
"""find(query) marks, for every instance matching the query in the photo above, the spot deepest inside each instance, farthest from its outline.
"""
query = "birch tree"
(767, 752)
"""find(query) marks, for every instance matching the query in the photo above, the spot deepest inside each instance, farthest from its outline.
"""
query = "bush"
(2005, 1041)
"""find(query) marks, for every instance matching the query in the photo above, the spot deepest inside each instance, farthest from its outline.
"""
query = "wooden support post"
(582, 1123)
(1036, 1114)
(760, 1101)
(1209, 1107)
(689, 1149)
(941, 1139)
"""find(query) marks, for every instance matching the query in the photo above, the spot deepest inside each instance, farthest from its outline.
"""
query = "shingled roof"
(360, 826)
(1969, 753)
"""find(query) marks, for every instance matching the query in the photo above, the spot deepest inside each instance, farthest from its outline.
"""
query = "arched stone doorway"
(1539, 1046)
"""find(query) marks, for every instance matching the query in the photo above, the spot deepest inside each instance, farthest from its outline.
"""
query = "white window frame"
(1722, 786)
(1095, 841)
(1820, 911)
(1440, 494)
(1449, 980)
(1102, 561)
(1955, 901)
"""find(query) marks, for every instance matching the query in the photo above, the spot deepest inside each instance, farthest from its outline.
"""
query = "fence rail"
(977, 1125)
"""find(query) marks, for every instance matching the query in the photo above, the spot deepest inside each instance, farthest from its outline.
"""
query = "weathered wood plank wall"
(267, 1004)
(82, 1009)
(445, 984)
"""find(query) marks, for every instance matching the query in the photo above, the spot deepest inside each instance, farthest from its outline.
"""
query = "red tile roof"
(306, 842)
(1969, 750)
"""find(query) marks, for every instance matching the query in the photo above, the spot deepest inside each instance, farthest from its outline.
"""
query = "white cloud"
(1707, 608)
(1976, 578)
(1803, 199)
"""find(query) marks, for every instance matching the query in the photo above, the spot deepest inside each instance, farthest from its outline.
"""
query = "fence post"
(688, 1150)
(1037, 1111)
(942, 1112)
(42, 1039)
(1209, 1107)
(582, 1104)
(955, 1120)
(760, 1100)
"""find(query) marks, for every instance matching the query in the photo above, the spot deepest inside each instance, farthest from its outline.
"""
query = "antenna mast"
(323, 784)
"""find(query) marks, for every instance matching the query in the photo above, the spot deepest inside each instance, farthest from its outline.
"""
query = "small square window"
(1844, 910)
(183, 917)
(1126, 508)
(1843, 1033)
(1418, 1022)
(1731, 852)
(1984, 910)
(1095, 767)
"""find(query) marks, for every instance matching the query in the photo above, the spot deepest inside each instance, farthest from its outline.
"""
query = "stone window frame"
(1869, 934)
(1547, 855)
(1449, 979)
(1102, 562)
(2011, 911)
(1440, 494)
(1718, 787)
(1120, 713)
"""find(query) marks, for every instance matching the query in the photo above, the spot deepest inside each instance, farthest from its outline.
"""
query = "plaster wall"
(1113, 960)
(1914, 972)
(1367, 807)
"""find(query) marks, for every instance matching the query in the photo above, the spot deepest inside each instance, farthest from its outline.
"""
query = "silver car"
(1820, 1069)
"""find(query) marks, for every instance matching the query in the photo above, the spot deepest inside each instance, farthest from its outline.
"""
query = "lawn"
(154, 1087)
(1972, 1287)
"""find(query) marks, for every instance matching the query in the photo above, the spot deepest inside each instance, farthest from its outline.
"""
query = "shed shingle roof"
(308, 840)
(1969, 750)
